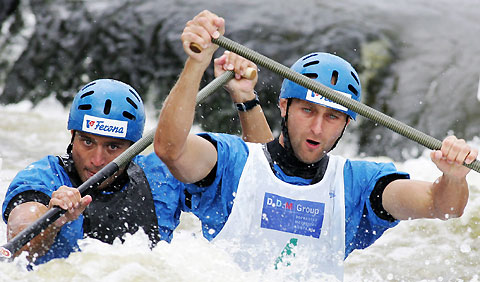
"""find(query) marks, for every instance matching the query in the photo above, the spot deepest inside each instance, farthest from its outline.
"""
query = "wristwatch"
(246, 106)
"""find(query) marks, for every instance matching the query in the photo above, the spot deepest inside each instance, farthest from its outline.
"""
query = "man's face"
(313, 129)
(92, 152)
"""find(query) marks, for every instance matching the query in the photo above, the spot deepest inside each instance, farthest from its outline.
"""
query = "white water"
(420, 250)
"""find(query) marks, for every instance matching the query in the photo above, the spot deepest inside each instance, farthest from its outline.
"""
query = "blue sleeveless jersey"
(213, 204)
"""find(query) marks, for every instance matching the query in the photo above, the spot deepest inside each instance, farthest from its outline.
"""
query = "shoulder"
(45, 168)
(147, 160)
(368, 170)
(154, 169)
(223, 139)
(44, 176)
(360, 178)
(228, 146)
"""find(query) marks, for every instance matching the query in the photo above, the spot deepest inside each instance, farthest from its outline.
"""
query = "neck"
(291, 165)
(280, 140)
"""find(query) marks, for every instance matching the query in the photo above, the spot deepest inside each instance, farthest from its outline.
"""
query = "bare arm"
(20, 218)
(25, 214)
(255, 127)
(445, 198)
(189, 157)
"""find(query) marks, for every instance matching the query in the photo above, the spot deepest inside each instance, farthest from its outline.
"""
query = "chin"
(312, 160)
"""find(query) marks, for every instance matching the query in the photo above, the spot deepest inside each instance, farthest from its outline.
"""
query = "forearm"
(177, 115)
(449, 197)
(255, 127)
(410, 199)
(23, 216)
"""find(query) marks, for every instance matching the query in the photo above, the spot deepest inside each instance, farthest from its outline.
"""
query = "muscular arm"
(190, 158)
(410, 199)
(20, 218)
(445, 198)
(255, 128)
(27, 213)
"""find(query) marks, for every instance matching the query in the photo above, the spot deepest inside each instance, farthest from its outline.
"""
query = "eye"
(87, 142)
(113, 146)
(333, 116)
(307, 110)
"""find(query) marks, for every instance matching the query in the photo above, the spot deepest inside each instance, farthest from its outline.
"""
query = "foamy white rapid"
(420, 250)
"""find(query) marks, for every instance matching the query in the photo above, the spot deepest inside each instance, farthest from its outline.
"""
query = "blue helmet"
(109, 108)
(330, 70)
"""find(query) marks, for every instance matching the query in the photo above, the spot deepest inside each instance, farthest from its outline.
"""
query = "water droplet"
(465, 248)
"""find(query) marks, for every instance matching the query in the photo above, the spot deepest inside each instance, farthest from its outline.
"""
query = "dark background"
(418, 60)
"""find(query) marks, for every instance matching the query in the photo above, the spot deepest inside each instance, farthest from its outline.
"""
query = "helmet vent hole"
(309, 56)
(135, 94)
(129, 115)
(334, 78)
(311, 75)
(88, 85)
(310, 64)
(108, 107)
(355, 77)
(86, 94)
(130, 101)
(353, 89)
(85, 107)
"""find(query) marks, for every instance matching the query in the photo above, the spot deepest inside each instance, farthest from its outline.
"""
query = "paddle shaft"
(360, 108)
(27, 234)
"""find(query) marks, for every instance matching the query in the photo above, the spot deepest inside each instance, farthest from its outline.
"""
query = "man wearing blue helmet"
(106, 117)
(289, 202)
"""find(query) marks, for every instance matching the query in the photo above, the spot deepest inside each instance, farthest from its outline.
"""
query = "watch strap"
(248, 105)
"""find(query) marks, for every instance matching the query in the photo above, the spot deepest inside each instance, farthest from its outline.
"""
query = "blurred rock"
(410, 60)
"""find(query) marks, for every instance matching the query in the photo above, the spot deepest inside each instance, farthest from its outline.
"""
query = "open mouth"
(313, 143)
(90, 173)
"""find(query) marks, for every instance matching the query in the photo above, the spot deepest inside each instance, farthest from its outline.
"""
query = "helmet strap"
(70, 146)
(286, 138)
(338, 139)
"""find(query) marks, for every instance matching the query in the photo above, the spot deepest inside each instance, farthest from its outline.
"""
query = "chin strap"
(286, 138)
(70, 146)
(338, 139)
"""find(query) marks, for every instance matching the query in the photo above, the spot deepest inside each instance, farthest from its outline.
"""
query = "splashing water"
(427, 250)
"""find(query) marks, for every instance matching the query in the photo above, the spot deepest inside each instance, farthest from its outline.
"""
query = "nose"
(98, 157)
(317, 125)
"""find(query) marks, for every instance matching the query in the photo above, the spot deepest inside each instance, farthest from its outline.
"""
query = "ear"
(282, 104)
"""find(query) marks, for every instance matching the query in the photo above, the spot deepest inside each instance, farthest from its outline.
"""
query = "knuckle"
(448, 141)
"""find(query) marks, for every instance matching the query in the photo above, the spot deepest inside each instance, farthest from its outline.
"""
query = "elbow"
(450, 200)
(452, 212)
(167, 151)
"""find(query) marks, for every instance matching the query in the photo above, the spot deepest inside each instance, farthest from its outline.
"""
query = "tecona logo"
(298, 207)
(5, 253)
(319, 99)
(104, 126)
